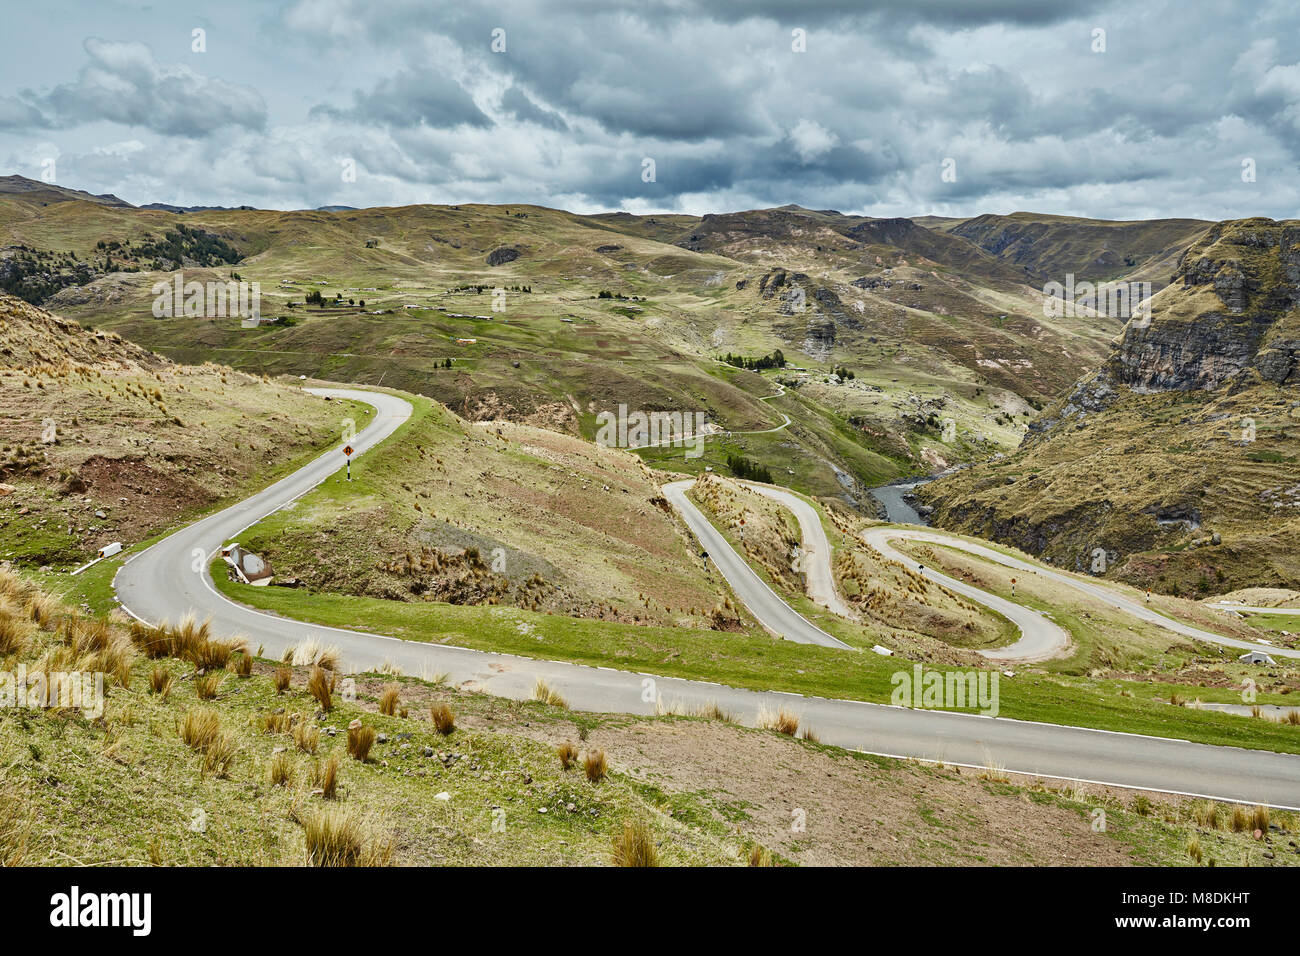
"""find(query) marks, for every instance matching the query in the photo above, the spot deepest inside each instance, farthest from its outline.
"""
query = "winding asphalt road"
(764, 603)
(167, 580)
(1040, 638)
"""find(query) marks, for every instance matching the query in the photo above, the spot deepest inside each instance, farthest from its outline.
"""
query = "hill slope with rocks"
(1175, 464)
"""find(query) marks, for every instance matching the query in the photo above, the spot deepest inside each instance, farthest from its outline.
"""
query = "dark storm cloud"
(518, 104)
(1086, 108)
(410, 98)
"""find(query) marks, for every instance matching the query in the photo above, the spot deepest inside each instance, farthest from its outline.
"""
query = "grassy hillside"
(1045, 248)
(596, 312)
(487, 514)
(206, 754)
(104, 441)
(1177, 465)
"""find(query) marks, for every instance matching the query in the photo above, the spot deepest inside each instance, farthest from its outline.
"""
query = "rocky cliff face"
(1177, 461)
(1252, 268)
(1229, 319)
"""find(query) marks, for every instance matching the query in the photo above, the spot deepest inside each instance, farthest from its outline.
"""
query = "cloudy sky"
(895, 107)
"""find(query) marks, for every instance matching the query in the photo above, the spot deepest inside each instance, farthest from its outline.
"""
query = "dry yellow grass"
(282, 676)
(306, 736)
(321, 685)
(207, 686)
(782, 720)
(634, 844)
(595, 765)
(338, 838)
(325, 778)
(388, 700)
(360, 739)
(542, 691)
(568, 754)
(281, 773)
(444, 720)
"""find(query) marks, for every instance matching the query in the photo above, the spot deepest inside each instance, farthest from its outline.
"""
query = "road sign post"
(347, 450)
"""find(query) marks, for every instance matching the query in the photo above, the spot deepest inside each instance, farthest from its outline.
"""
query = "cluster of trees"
(606, 294)
(775, 360)
(742, 467)
(182, 243)
(34, 276)
(480, 288)
(844, 373)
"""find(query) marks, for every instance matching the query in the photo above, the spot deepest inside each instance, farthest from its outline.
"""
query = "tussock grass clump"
(360, 739)
(16, 820)
(782, 720)
(388, 700)
(1292, 717)
(306, 736)
(282, 675)
(243, 665)
(309, 653)
(1142, 805)
(634, 844)
(444, 719)
(189, 640)
(546, 694)
(199, 726)
(568, 754)
(994, 772)
(42, 608)
(325, 778)
(201, 731)
(207, 686)
(1249, 819)
(278, 722)
(810, 735)
(281, 772)
(595, 765)
(15, 634)
(321, 685)
(758, 855)
(1206, 814)
(1194, 848)
(712, 711)
(160, 682)
(337, 838)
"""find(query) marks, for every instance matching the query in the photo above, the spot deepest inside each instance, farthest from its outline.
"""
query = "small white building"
(1256, 657)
